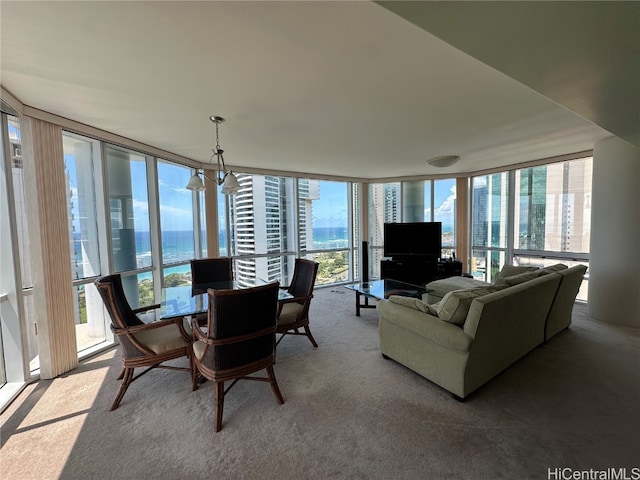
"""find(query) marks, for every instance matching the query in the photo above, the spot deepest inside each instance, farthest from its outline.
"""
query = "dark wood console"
(419, 270)
(448, 268)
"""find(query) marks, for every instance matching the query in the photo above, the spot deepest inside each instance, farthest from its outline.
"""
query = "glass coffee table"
(380, 289)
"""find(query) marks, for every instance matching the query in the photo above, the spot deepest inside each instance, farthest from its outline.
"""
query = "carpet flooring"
(348, 414)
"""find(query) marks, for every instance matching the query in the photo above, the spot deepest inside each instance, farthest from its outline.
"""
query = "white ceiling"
(330, 88)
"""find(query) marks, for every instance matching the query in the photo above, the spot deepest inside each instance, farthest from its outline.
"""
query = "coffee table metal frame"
(381, 289)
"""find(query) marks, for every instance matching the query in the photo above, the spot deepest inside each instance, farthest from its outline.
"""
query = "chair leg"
(308, 333)
(194, 372)
(127, 373)
(274, 384)
(218, 391)
(121, 376)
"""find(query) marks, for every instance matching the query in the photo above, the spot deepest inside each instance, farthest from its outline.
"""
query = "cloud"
(448, 206)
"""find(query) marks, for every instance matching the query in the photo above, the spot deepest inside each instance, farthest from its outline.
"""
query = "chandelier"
(227, 179)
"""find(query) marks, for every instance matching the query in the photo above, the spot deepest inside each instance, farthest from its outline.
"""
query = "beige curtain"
(47, 210)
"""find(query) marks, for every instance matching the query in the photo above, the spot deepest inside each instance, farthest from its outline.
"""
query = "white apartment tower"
(262, 215)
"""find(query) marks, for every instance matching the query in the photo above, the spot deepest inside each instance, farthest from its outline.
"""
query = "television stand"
(418, 269)
(415, 269)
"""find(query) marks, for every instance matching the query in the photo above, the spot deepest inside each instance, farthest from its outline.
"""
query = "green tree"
(145, 292)
(177, 280)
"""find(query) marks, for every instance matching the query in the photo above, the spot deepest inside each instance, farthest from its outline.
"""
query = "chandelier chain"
(217, 139)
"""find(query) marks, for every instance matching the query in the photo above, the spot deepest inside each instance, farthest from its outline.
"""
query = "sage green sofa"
(474, 334)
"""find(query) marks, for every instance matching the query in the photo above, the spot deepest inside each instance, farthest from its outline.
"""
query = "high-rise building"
(554, 207)
(262, 214)
(387, 196)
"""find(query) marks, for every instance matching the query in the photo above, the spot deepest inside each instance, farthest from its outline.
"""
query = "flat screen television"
(414, 238)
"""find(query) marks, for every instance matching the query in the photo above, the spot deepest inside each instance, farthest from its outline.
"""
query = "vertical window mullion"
(511, 207)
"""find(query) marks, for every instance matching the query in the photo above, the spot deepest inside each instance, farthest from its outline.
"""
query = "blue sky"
(330, 210)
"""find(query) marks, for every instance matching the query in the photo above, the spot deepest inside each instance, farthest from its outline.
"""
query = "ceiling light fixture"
(445, 161)
(227, 179)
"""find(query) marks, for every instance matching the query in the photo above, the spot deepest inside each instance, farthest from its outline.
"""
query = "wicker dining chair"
(293, 313)
(143, 344)
(239, 340)
(209, 270)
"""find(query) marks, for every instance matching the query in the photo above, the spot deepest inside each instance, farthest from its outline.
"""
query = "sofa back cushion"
(510, 271)
(558, 267)
(455, 305)
(526, 276)
(518, 279)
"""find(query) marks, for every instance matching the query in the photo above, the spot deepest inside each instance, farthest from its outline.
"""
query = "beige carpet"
(348, 414)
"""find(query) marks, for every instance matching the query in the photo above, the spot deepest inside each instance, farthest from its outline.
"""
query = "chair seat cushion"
(162, 339)
(289, 313)
(198, 348)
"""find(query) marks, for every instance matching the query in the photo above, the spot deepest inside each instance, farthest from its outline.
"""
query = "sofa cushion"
(531, 274)
(437, 289)
(510, 271)
(455, 305)
(518, 279)
(415, 304)
(552, 269)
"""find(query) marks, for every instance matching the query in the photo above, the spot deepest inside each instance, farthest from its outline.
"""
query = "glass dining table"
(178, 301)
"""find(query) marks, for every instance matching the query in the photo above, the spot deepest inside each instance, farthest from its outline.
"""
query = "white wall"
(614, 261)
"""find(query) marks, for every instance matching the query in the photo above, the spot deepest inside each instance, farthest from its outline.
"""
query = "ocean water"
(179, 245)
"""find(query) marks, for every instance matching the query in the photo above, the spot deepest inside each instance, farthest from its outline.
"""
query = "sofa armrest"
(505, 313)
(559, 316)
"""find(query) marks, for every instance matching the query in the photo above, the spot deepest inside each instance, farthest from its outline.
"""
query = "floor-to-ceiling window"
(356, 234)
(18, 346)
(259, 228)
(411, 201)
(532, 216)
(9, 316)
(176, 213)
(384, 207)
(490, 224)
(272, 220)
(224, 227)
(324, 222)
(85, 216)
(552, 215)
(444, 211)
(12, 146)
(130, 232)
(179, 214)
